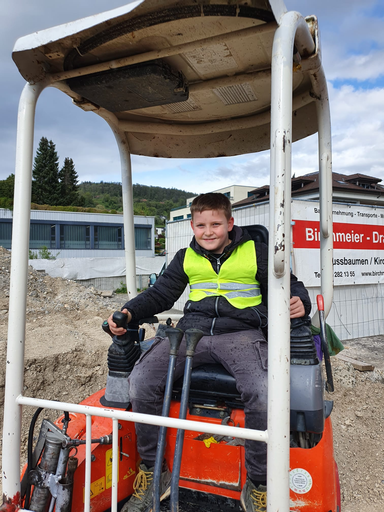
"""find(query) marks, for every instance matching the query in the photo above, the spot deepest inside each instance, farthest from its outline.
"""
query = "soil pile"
(358, 431)
(66, 354)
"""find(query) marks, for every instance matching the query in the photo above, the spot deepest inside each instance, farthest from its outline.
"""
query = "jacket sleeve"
(297, 287)
(299, 290)
(166, 290)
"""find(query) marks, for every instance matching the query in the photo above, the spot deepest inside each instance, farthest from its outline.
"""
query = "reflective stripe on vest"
(236, 280)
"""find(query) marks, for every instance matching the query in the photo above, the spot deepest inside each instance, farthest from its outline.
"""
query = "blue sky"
(352, 37)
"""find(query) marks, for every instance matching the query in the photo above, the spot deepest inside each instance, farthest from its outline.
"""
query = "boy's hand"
(297, 307)
(118, 331)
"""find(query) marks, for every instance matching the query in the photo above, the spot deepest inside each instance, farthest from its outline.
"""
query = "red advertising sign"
(306, 235)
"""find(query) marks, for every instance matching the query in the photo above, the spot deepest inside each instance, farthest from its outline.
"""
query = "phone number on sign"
(345, 274)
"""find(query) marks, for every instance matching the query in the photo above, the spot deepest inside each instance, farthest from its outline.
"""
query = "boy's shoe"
(141, 499)
(253, 499)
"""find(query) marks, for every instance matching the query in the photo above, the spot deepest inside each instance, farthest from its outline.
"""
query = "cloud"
(352, 36)
(357, 134)
(359, 67)
(358, 131)
(252, 170)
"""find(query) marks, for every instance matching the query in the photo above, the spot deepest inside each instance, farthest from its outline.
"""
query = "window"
(74, 236)
(42, 235)
(108, 237)
(189, 215)
(178, 217)
(143, 238)
(6, 234)
(227, 194)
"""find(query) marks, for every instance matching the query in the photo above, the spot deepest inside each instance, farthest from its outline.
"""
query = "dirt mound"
(65, 349)
(66, 360)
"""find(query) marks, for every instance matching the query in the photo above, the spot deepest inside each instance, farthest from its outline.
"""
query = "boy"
(228, 277)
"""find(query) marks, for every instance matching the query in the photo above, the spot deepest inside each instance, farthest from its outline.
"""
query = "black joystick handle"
(175, 336)
(120, 319)
(192, 338)
(125, 349)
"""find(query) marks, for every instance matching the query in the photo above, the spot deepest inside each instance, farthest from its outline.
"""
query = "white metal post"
(127, 191)
(115, 464)
(88, 460)
(279, 252)
(319, 84)
(18, 290)
(129, 220)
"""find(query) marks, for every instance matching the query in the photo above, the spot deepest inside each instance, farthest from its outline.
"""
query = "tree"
(69, 179)
(46, 186)
(7, 187)
(88, 200)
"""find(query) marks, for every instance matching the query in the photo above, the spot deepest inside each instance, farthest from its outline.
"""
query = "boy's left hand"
(297, 307)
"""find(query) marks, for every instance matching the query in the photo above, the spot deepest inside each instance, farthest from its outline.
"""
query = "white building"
(234, 193)
(88, 247)
(81, 235)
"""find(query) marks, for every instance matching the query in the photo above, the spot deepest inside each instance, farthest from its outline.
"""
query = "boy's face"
(211, 228)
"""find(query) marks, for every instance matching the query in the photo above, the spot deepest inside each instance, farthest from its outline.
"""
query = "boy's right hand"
(118, 331)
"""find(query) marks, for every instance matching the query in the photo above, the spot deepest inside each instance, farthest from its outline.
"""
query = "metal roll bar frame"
(292, 30)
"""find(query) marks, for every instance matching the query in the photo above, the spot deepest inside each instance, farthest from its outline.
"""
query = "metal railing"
(116, 415)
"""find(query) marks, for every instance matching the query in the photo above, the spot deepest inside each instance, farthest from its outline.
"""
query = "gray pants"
(243, 354)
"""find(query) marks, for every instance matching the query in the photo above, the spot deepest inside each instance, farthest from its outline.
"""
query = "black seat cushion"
(212, 381)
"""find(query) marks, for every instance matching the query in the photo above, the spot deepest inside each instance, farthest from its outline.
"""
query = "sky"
(352, 40)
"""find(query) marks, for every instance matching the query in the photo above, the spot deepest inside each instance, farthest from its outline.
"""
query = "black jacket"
(213, 315)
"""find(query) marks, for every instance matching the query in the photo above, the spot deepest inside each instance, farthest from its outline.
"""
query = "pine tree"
(46, 185)
(69, 184)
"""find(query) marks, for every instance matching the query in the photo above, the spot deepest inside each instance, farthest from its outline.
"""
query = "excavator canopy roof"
(182, 79)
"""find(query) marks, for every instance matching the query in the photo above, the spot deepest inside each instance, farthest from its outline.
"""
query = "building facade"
(351, 189)
(79, 235)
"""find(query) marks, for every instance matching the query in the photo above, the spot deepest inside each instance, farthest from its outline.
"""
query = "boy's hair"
(212, 201)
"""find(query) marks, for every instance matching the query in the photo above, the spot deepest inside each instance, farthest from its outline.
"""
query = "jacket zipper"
(217, 315)
(216, 306)
(218, 263)
(213, 326)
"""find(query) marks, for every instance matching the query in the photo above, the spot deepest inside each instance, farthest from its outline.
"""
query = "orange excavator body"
(207, 466)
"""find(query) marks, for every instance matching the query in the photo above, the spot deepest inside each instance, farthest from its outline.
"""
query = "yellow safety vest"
(236, 280)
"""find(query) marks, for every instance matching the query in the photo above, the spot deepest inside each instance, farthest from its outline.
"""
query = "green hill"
(107, 197)
(147, 200)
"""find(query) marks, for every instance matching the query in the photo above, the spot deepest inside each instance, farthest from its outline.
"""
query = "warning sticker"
(108, 469)
(97, 487)
(300, 481)
(129, 473)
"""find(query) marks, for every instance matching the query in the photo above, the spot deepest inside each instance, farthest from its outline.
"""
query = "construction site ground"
(65, 359)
